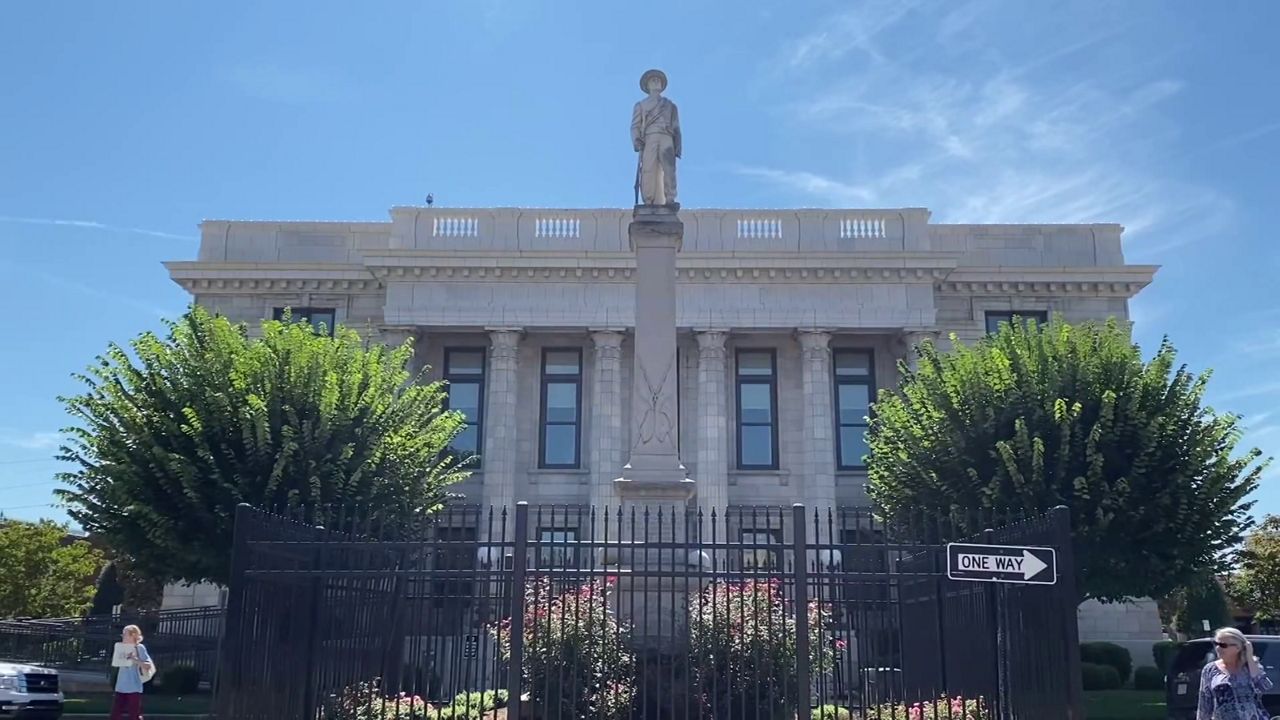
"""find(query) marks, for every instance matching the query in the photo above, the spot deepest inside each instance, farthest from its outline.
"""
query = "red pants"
(127, 706)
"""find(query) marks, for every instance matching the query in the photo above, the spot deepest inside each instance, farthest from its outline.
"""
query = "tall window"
(757, 415)
(855, 387)
(557, 548)
(995, 318)
(322, 319)
(464, 371)
(452, 596)
(561, 409)
(760, 558)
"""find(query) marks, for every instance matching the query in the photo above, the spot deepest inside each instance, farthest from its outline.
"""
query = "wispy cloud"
(80, 288)
(31, 440)
(990, 134)
(93, 225)
(1250, 390)
(1238, 139)
(808, 183)
(854, 30)
(288, 83)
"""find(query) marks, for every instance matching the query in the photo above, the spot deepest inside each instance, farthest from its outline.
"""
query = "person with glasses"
(1231, 687)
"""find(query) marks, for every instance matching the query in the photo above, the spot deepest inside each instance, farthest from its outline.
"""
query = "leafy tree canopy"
(46, 573)
(1034, 417)
(173, 437)
(1256, 583)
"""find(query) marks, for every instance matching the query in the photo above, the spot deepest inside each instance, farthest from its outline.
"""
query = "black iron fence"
(174, 637)
(553, 613)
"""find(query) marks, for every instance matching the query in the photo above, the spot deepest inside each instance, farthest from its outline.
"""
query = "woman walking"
(1231, 687)
(127, 704)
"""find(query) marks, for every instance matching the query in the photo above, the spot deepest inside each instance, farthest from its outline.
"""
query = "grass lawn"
(1124, 705)
(100, 704)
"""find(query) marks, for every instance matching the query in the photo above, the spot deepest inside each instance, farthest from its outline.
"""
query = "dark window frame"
(305, 314)
(558, 554)
(771, 381)
(869, 381)
(545, 381)
(749, 560)
(475, 463)
(1041, 317)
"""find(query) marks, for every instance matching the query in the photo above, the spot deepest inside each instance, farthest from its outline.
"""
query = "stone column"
(712, 425)
(656, 234)
(393, 336)
(910, 339)
(500, 420)
(607, 451)
(818, 423)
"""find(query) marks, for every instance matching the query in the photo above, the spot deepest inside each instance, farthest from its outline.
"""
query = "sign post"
(1002, 564)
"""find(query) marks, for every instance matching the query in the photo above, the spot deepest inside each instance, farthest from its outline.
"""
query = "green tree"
(1035, 417)
(1205, 601)
(1256, 583)
(172, 439)
(46, 572)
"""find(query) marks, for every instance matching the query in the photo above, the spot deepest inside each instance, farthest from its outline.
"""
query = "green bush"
(472, 705)
(179, 679)
(1163, 653)
(831, 712)
(1148, 678)
(1099, 677)
(1105, 653)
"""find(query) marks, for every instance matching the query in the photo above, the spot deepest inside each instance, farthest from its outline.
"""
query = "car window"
(1194, 656)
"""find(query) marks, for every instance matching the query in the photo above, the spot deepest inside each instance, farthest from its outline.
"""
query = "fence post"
(1069, 598)
(800, 547)
(228, 652)
(519, 564)
(998, 641)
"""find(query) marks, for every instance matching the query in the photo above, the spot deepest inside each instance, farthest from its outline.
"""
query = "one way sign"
(1002, 564)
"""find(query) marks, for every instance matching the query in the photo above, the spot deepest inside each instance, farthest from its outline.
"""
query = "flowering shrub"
(576, 662)
(742, 645)
(944, 708)
(365, 701)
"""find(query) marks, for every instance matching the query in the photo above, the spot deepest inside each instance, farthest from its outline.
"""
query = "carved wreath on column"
(656, 423)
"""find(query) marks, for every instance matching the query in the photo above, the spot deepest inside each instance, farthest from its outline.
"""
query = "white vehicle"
(29, 692)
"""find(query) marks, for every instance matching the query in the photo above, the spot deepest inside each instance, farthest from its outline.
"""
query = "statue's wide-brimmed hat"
(644, 79)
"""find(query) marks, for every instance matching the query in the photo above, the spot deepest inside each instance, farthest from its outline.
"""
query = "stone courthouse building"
(788, 321)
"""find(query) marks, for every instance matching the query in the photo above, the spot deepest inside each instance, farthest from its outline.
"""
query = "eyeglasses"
(1225, 645)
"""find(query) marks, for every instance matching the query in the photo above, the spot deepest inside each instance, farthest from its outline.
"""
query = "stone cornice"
(237, 278)
(408, 265)
(936, 269)
(1123, 281)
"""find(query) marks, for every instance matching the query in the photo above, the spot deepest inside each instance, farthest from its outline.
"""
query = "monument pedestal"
(654, 583)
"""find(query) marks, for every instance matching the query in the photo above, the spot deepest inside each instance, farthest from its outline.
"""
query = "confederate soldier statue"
(655, 134)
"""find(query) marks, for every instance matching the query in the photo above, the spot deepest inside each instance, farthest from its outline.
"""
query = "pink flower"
(841, 644)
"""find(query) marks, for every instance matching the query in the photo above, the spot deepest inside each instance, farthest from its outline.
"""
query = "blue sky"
(124, 124)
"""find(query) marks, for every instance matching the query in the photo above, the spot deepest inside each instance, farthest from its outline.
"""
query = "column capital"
(711, 338)
(915, 336)
(814, 338)
(607, 337)
(504, 343)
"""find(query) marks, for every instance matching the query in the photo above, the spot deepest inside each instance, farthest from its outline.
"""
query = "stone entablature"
(874, 269)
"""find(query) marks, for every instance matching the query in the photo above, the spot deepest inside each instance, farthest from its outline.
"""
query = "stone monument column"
(817, 422)
(656, 234)
(500, 420)
(713, 426)
(607, 450)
